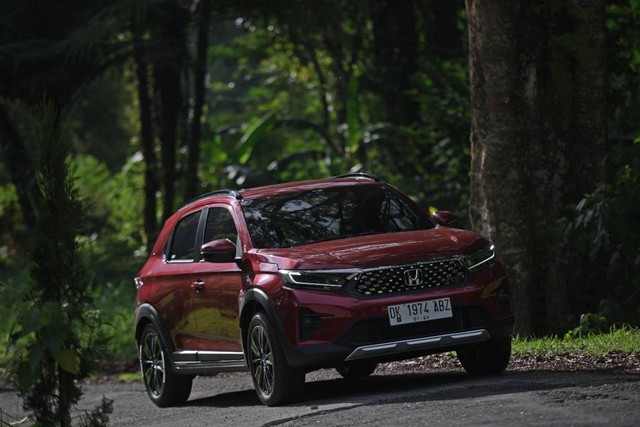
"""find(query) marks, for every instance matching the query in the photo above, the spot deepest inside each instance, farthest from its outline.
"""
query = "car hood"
(376, 250)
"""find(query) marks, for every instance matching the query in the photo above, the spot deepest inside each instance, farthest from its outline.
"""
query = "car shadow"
(225, 400)
(431, 386)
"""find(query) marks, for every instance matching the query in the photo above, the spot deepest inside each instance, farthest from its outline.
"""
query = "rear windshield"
(295, 219)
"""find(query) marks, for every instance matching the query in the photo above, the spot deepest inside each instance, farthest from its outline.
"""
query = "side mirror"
(444, 217)
(221, 250)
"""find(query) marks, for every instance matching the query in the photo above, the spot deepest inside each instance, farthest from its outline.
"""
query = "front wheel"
(163, 386)
(274, 380)
(486, 358)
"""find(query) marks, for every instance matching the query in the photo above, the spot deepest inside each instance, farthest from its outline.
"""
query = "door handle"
(198, 286)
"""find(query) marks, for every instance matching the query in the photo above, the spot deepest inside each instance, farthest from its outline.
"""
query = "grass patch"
(625, 339)
(130, 376)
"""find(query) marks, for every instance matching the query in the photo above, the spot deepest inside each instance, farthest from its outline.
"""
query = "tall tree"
(538, 140)
(170, 21)
(147, 142)
(49, 53)
(193, 161)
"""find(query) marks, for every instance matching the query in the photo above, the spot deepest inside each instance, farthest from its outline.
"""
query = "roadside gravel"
(613, 362)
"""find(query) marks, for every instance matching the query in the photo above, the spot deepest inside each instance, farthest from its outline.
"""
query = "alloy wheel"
(262, 360)
(152, 363)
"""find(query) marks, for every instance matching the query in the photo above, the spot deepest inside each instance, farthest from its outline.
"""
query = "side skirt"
(186, 362)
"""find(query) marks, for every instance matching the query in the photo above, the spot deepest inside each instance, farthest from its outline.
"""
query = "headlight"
(320, 279)
(478, 260)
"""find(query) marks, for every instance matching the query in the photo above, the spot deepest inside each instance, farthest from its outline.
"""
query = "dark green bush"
(607, 225)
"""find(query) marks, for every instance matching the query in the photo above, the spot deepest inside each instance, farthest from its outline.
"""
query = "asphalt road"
(385, 399)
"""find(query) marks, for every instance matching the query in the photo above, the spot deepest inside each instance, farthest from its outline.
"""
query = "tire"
(354, 371)
(275, 381)
(487, 358)
(164, 387)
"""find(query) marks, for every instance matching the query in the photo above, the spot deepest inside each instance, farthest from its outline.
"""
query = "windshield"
(295, 219)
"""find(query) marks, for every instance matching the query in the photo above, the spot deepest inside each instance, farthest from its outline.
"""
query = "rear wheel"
(486, 358)
(164, 387)
(274, 380)
(354, 371)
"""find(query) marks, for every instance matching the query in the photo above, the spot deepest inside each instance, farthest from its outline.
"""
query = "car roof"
(284, 188)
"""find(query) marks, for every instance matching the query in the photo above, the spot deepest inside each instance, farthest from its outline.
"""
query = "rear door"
(173, 280)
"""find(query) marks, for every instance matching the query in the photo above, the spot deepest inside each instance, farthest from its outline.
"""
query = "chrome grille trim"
(391, 279)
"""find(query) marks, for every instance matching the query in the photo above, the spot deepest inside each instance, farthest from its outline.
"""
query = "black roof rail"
(358, 175)
(225, 192)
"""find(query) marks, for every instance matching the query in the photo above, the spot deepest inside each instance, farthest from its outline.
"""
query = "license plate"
(419, 311)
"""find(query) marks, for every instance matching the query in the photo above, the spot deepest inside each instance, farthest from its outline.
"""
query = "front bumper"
(333, 354)
(344, 328)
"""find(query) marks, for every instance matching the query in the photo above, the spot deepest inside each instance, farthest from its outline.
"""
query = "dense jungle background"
(523, 118)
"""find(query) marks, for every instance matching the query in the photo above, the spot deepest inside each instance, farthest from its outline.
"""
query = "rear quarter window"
(181, 246)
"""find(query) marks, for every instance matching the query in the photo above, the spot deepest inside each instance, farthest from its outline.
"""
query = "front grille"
(378, 330)
(403, 278)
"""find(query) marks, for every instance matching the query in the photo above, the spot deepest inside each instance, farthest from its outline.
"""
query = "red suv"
(284, 279)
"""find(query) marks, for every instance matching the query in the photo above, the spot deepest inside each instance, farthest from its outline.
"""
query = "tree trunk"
(168, 64)
(167, 85)
(527, 144)
(192, 181)
(499, 197)
(146, 143)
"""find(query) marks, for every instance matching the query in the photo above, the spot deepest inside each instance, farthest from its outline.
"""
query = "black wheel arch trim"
(259, 297)
(146, 312)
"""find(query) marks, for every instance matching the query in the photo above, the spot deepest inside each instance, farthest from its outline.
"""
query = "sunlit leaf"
(68, 360)
(254, 134)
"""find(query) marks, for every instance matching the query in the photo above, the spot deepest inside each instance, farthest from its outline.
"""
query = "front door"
(217, 286)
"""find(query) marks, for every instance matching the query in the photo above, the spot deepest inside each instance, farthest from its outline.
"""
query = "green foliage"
(442, 89)
(270, 67)
(10, 229)
(252, 136)
(623, 65)
(8, 199)
(117, 317)
(112, 237)
(54, 340)
(110, 244)
(107, 100)
(590, 323)
(607, 227)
